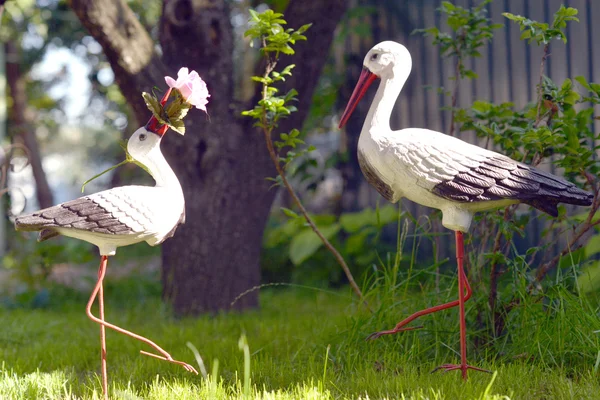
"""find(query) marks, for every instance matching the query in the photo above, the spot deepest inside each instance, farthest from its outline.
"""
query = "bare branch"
(127, 46)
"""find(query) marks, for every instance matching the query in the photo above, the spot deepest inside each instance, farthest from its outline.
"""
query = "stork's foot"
(376, 335)
(462, 367)
(167, 357)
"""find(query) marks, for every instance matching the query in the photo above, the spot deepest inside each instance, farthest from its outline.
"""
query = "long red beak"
(153, 125)
(364, 81)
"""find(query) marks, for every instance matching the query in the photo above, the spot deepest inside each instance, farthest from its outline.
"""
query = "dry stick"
(275, 158)
(455, 96)
(587, 225)
(456, 83)
(336, 254)
(541, 81)
(494, 272)
(544, 269)
(508, 212)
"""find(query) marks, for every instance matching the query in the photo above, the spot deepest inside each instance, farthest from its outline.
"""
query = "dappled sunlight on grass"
(54, 353)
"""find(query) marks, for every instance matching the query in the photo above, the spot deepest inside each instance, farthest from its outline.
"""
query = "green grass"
(303, 344)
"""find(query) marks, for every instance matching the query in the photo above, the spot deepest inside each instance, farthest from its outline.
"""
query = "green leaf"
(589, 278)
(387, 215)
(470, 74)
(253, 15)
(103, 172)
(154, 106)
(526, 35)
(583, 82)
(289, 212)
(177, 126)
(355, 221)
(306, 243)
(303, 28)
(512, 17)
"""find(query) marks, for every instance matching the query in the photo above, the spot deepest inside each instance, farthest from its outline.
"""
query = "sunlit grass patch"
(302, 344)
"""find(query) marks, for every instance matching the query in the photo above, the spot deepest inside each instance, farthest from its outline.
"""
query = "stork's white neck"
(160, 169)
(378, 118)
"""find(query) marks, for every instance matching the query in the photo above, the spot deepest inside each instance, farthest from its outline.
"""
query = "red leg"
(400, 326)
(164, 355)
(103, 262)
(462, 283)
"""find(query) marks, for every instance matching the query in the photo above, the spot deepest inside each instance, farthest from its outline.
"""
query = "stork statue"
(442, 172)
(128, 214)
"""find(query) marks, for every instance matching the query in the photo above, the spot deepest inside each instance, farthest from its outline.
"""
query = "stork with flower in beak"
(130, 214)
(442, 172)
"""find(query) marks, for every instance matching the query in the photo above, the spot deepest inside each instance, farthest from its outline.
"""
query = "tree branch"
(313, 53)
(21, 125)
(311, 223)
(127, 46)
(540, 98)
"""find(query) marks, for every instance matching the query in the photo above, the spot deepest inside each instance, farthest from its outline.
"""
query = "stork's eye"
(374, 56)
(142, 137)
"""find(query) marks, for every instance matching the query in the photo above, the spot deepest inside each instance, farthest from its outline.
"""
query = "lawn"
(304, 343)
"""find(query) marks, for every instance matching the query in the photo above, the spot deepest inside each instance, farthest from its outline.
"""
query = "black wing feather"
(500, 178)
(82, 213)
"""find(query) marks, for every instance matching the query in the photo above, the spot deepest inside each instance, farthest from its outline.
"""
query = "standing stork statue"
(128, 214)
(442, 172)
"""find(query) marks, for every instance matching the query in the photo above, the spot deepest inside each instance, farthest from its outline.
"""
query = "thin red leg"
(462, 283)
(103, 262)
(164, 355)
(466, 289)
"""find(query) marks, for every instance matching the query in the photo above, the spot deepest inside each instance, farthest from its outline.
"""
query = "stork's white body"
(123, 215)
(120, 217)
(139, 207)
(412, 161)
(438, 170)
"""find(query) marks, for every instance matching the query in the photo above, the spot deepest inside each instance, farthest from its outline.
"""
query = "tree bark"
(21, 124)
(222, 161)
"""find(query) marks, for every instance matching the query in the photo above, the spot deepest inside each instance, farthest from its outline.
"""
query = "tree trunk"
(21, 124)
(222, 161)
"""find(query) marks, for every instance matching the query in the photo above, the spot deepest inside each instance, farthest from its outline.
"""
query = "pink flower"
(191, 86)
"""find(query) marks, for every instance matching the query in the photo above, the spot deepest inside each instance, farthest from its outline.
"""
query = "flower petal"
(182, 73)
(191, 86)
(171, 82)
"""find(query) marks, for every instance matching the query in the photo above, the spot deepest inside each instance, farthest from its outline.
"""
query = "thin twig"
(494, 274)
(540, 84)
(456, 84)
(570, 247)
(328, 245)
(267, 131)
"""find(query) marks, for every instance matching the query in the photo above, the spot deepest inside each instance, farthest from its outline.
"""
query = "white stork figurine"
(442, 172)
(119, 217)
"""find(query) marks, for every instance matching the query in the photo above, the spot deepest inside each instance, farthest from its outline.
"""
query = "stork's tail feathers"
(549, 199)
(36, 222)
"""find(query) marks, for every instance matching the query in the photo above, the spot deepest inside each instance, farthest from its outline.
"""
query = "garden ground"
(304, 343)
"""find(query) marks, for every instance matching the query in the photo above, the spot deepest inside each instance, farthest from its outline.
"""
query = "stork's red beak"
(153, 125)
(364, 81)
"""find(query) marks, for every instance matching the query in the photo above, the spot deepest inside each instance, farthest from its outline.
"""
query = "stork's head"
(385, 60)
(148, 137)
(142, 142)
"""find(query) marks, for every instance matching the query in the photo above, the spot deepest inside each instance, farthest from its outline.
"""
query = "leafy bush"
(558, 124)
(292, 251)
